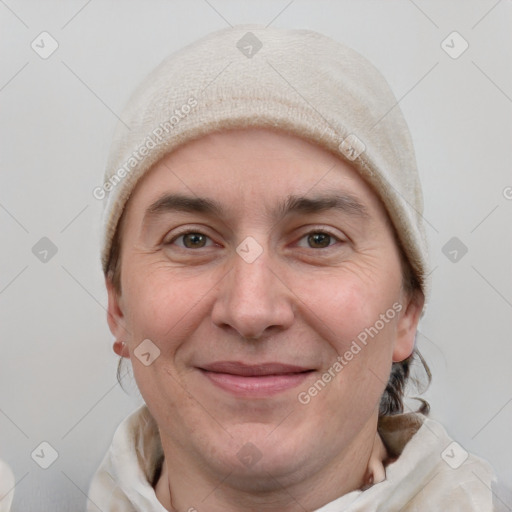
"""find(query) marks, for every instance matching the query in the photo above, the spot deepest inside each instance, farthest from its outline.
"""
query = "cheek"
(348, 305)
(358, 319)
(163, 305)
(166, 310)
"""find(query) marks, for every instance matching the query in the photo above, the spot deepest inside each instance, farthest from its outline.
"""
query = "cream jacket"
(6, 487)
(431, 473)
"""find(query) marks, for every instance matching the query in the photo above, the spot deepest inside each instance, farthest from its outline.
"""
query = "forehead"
(253, 170)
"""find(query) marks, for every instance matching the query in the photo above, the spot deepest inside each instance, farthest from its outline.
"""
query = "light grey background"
(57, 367)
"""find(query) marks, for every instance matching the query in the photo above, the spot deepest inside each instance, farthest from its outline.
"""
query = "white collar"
(420, 477)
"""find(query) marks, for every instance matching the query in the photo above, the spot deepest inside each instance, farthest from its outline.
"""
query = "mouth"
(257, 381)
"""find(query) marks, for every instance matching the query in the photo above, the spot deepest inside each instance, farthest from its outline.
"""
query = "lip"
(257, 381)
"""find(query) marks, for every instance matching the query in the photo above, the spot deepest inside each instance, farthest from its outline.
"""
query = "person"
(266, 266)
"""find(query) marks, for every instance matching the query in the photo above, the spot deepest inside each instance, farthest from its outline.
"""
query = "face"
(264, 271)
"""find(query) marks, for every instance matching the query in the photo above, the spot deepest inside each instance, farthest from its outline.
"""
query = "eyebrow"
(344, 203)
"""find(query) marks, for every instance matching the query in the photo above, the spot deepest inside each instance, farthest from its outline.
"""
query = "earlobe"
(407, 326)
(121, 349)
(115, 316)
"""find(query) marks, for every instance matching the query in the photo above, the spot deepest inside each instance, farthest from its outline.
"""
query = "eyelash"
(198, 232)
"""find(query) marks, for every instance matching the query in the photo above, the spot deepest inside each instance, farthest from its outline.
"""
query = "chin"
(268, 474)
(261, 453)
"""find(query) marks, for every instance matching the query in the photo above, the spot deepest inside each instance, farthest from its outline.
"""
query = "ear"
(408, 325)
(115, 319)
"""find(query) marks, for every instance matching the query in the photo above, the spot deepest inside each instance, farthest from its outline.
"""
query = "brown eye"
(319, 240)
(194, 240)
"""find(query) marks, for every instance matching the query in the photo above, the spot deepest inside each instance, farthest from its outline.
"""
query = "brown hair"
(392, 400)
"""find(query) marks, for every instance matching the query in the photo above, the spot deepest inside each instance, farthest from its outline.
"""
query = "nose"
(253, 299)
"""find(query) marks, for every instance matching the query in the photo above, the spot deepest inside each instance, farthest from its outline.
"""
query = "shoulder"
(7, 483)
(123, 481)
(431, 468)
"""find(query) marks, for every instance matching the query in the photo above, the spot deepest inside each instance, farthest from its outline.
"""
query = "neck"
(186, 486)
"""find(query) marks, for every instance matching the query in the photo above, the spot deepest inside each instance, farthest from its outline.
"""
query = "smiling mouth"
(257, 381)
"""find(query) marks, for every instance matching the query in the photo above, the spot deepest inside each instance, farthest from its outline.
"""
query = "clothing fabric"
(297, 81)
(7, 484)
(431, 471)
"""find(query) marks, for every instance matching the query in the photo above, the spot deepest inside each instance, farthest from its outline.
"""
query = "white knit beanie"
(298, 81)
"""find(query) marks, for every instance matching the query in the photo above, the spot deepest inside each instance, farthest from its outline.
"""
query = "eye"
(191, 240)
(319, 240)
